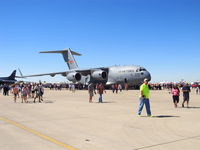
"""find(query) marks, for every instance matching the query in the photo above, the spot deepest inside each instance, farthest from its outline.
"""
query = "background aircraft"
(8, 80)
(133, 75)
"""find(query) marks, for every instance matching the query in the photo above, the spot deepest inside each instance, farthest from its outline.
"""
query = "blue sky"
(161, 35)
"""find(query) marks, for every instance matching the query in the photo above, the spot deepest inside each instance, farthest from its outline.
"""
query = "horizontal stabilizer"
(68, 57)
(61, 52)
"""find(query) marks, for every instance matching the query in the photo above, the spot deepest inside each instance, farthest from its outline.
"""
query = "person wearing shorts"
(175, 95)
(186, 95)
(24, 94)
(15, 92)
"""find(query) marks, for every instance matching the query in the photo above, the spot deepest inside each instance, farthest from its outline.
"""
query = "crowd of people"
(92, 90)
(169, 86)
(64, 86)
(116, 88)
(174, 88)
(35, 91)
(24, 91)
(176, 94)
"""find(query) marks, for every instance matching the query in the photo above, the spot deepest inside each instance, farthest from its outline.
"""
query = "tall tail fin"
(12, 76)
(68, 57)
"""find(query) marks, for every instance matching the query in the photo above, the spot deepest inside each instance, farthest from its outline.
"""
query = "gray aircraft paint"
(133, 75)
(68, 57)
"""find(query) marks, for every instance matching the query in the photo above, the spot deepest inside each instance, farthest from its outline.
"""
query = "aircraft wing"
(7, 81)
(84, 72)
(45, 74)
(19, 77)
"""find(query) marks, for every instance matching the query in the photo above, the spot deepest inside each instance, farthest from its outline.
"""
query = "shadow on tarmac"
(165, 116)
(105, 102)
(45, 101)
(49, 101)
(194, 107)
(162, 116)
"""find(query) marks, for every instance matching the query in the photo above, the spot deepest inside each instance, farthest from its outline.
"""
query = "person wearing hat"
(144, 98)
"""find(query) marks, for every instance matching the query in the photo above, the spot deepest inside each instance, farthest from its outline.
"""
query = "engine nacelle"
(74, 76)
(99, 75)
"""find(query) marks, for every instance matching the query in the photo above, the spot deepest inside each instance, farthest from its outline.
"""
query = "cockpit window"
(142, 69)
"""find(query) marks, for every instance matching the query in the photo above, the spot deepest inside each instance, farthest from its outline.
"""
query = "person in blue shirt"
(186, 94)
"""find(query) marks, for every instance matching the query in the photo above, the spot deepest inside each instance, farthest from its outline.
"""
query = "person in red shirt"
(175, 95)
(101, 90)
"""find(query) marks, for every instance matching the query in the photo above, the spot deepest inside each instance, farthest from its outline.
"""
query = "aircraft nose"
(148, 76)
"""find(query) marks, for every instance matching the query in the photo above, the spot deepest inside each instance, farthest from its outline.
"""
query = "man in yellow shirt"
(144, 98)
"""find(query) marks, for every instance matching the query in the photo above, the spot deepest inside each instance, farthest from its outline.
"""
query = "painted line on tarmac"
(52, 140)
(166, 143)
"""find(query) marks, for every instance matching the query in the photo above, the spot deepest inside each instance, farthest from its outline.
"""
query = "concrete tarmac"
(66, 120)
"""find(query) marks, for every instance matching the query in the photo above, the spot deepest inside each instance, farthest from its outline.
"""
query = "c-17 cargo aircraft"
(132, 75)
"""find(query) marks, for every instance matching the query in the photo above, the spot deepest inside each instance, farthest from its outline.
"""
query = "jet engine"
(74, 76)
(99, 75)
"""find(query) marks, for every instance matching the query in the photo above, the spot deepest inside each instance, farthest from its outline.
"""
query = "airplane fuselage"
(8, 80)
(132, 75)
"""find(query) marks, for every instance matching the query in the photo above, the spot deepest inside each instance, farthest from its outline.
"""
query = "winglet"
(21, 75)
